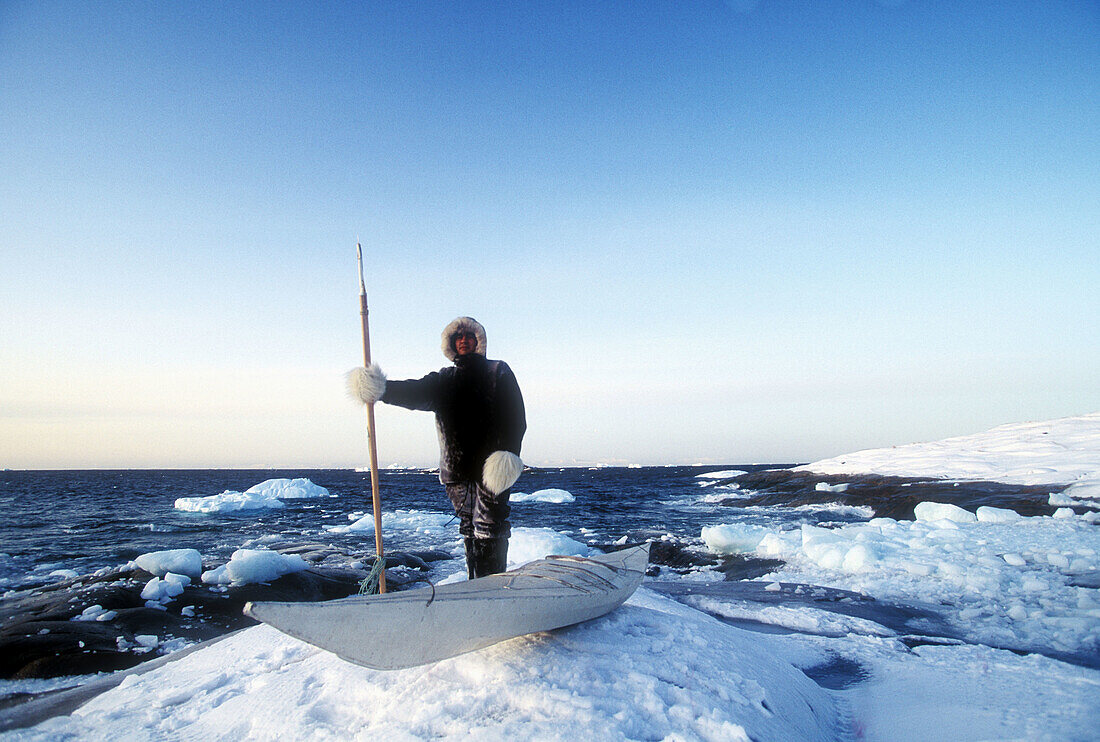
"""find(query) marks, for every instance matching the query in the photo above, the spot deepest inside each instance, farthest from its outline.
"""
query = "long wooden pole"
(372, 445)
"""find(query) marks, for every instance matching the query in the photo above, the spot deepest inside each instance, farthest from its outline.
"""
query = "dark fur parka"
(478, 410)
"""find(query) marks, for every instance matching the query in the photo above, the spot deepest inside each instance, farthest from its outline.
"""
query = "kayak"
(416, 627)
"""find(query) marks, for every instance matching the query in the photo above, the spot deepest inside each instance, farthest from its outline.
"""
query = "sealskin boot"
(471, 558)
(490, 556)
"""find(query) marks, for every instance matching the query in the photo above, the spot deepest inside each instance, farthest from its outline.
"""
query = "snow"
(664, 670)
(1086, 488)
(970, 692)
(1085, 492)
(1001, 581)
(545, 495)
(267, 495)
(654, 669)
(1060, 451)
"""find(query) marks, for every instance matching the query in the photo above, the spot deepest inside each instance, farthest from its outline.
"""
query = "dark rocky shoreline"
(888, 497)
(42, 636)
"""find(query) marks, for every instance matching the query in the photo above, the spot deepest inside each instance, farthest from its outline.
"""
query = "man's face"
(465, 343)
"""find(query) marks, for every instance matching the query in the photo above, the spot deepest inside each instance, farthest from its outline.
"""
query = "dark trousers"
(481, 514)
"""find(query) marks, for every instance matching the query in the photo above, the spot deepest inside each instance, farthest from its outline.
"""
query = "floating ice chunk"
(267, 495)
(154, 589)
(826, 487)
(65, 574)
(149, 641)
(934, 511)
(988, 514)
(724, 474)
(247, 566)
(734, 538)
(216, 576)
(162, 591)
(421, 521)
(180, 561)
(1059, 560)
(860, 558)
(1034, 585)
(288, 489)
(1063, 513)
(528, 544)
(824, 547)
(95, 613)
(917, 568)
(228, 502)
(1014, 559)
(545, 495)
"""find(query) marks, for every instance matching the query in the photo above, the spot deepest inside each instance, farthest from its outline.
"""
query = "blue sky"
(699, 232)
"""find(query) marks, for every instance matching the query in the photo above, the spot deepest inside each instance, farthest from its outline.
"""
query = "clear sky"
(698, 231)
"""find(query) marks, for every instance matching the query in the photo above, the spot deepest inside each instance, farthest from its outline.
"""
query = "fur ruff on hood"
(467, 324)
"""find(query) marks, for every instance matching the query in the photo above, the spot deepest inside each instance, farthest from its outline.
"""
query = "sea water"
(87, 520)
(1025, 584)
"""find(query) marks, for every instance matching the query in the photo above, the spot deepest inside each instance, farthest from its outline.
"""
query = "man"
(480, 419)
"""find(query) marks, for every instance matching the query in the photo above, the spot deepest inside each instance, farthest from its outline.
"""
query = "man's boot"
(491, 556)
(471, 557)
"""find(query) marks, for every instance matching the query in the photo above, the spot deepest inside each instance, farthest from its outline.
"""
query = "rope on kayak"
(370, 583)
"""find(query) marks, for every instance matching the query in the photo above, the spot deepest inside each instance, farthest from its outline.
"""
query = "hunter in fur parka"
(480, 421)
(477, 404)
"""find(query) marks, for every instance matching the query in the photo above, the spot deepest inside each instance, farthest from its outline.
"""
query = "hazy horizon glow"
(721, 233)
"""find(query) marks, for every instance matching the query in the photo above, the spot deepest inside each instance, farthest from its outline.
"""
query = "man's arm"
(415, 394)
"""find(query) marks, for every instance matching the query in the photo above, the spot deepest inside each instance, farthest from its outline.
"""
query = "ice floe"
(267, 495)
(551, 495)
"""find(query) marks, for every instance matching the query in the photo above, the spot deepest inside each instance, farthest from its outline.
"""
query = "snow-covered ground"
(662, 670)
(1063, 451)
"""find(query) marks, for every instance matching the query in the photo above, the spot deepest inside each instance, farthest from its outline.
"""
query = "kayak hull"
(416, 627)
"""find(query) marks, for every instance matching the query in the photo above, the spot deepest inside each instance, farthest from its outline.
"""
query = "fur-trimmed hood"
(467, 324)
